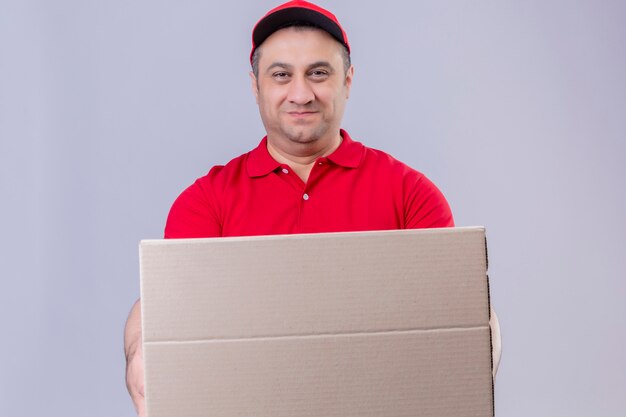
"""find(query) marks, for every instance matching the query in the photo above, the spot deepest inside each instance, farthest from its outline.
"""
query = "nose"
(300, 91)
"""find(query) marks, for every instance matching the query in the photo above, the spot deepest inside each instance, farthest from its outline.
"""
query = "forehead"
(296, 44)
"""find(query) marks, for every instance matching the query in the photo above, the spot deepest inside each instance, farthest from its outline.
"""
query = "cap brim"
(271, 23)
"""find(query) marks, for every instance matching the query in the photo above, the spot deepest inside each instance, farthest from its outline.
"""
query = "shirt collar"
(260, 162)
(349, 155)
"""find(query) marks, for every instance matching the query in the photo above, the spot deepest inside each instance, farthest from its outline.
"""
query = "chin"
(305, 136)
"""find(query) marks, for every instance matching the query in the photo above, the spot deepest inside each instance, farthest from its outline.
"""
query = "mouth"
(301, 114)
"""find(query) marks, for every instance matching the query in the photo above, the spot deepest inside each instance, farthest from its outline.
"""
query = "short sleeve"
(425, 205)
(195, 213)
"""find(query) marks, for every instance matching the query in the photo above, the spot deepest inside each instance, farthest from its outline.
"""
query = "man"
(307, 175)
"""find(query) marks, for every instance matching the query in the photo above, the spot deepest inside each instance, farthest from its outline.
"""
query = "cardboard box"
(389, 323)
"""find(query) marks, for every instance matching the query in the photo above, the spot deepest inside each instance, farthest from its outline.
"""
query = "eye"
(280, 75)
(319, 74)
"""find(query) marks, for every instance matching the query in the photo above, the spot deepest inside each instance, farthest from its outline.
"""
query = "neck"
(303, 157)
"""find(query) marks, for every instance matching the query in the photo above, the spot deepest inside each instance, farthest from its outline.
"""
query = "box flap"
(195, 289)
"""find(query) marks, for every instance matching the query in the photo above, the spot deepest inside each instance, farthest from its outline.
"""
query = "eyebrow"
(320, 64)
(280, 65)
(309, 67)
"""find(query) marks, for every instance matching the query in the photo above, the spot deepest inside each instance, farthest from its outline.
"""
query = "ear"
(255, 87)
(348, 80)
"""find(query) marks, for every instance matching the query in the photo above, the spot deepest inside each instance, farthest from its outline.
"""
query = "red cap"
(297, 11)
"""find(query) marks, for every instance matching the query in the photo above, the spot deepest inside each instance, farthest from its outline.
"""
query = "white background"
(516, 110)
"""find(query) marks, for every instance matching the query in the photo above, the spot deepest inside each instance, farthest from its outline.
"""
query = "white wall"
(108, 109)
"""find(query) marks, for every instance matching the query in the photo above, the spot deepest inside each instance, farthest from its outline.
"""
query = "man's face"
(302, 86)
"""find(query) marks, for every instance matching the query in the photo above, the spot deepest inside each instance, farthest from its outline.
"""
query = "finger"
(139, 402)
(141, 408)
(140, 379)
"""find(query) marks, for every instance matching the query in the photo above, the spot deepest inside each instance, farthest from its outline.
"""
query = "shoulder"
(384, 162)
(197, 212)
(219, 175)
(424, 203)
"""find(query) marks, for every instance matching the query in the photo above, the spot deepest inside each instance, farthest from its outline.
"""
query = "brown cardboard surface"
(392, 323)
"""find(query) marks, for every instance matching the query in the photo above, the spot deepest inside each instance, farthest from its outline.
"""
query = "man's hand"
(134, 359)
(496, 342)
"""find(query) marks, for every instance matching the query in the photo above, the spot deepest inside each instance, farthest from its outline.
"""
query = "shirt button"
(285, 171)
(305, 196)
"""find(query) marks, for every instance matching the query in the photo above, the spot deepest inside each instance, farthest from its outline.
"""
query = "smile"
(301, 114)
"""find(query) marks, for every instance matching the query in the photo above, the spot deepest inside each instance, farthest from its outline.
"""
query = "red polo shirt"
(354, 189)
